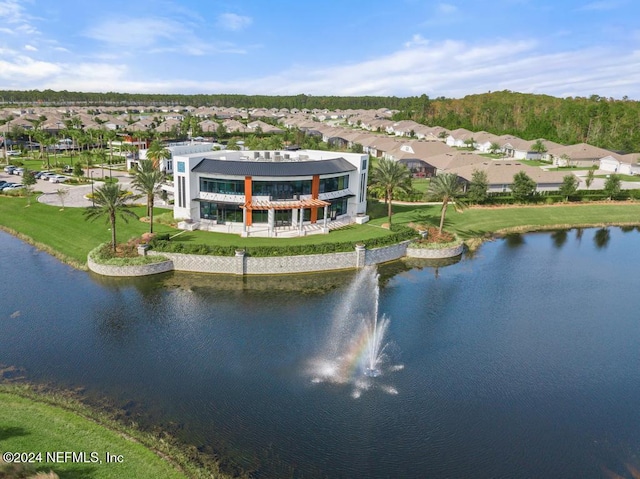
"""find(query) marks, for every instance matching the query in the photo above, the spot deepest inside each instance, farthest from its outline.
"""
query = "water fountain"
(355, 351)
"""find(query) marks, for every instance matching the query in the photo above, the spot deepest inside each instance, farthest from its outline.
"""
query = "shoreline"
(184, 458)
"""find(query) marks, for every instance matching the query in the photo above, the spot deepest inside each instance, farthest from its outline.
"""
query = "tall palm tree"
(148, 180)
(391, 177)
(111, 201)
(447, 188)
(157, 152)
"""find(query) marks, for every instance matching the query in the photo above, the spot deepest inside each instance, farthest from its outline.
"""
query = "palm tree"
(157, 152)
(391, 177)
(447, 188)
(148, 180)
(111, 201)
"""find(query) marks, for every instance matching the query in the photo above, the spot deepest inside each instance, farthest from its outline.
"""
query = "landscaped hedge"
(550, 197)
(398, 234)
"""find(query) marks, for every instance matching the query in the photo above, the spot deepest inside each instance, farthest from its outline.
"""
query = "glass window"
(225, 187)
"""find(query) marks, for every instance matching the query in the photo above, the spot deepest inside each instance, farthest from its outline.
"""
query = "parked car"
(18, 171)
(40, 175)
(14, 186)
(58, 178)
(8, 186)
(9, 169)
(67, 169)
(47, 175)
(13, 153)
(3, 183)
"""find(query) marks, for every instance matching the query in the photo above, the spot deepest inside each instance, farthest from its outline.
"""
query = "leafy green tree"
(539, 147)
(28, 180)
(591, 175)
(494, 148)
(357, 148)
(612, 186)
(478, 191)
(148, 180)
(62, 195)
(448, 189)
(111, 201)
(78, 172)
(221, 131)
(523, 187)
(232, 144)
(391, 177)
(569, 186)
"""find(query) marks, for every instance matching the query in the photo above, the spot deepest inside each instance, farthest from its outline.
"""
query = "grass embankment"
(65, 233)
(478, 222)
(31, 426)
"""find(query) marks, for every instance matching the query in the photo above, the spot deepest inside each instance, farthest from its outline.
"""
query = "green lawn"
(27, 425)
(622, 177)
(475, 222)
(67, 231)
(420, 184)
(532, 162)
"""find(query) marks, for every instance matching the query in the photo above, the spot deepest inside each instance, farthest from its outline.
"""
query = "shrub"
(399, 233)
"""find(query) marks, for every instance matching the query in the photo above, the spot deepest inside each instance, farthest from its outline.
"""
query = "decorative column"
(271, 218)
(361, 253)
(248, 198)
(325, 227)
(240, 260)
(315, 194)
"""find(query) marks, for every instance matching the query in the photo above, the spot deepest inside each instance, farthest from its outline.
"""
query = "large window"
(225, 187)
(281, 190)
(335, 183)
(220, 212)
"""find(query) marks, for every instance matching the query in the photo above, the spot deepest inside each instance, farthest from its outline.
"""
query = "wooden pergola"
(285, 204)
(297, 208)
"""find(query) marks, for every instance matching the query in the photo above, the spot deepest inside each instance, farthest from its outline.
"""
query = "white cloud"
(233, 22)
(449, 68)
(416, 39)
(30, 48)
(136, 33)
(447, 8)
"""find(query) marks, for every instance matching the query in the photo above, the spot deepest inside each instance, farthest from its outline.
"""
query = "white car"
(58, 178)
(13, 153)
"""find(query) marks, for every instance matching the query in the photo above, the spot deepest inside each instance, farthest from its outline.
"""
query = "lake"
(522, 360)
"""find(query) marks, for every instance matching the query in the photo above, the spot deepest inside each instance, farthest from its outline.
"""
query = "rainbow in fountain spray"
(355, 351)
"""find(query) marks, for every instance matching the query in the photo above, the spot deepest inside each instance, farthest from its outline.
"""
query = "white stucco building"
(269, 191)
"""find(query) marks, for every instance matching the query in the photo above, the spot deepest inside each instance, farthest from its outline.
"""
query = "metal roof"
(273, 168)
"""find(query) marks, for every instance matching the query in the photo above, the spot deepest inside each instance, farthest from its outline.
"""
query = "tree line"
(599, 121)
(64, 97)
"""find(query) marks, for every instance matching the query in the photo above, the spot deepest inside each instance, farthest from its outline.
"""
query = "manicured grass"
(479, 221)
(27, 425)
(570, 168)
(420, 184)
(67, 232)
(622, 177)
(531, 162)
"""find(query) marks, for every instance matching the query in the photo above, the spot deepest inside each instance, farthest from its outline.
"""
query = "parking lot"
(77, 193)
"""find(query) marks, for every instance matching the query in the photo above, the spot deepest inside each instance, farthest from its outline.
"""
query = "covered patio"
(296, 207)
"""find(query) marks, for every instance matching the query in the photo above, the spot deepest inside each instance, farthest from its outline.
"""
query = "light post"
(93, 202)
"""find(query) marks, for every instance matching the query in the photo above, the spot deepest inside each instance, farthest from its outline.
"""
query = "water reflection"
(559, 238)
(516, 360)
(601, 238)
(514, 240)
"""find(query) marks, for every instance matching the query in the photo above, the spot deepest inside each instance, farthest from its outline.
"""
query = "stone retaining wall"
(240, 264)
(137, 270)
(386, 253)
(433, 253)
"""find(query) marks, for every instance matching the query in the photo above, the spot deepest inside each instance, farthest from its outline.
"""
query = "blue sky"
(446, 48)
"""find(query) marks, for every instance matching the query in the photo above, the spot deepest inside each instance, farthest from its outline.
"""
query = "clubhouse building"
(269, 193)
